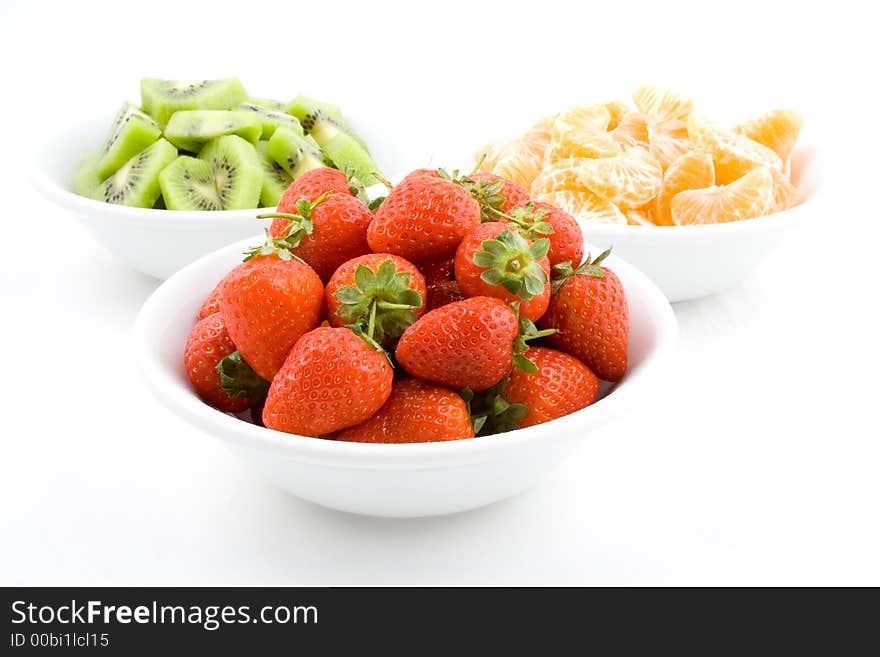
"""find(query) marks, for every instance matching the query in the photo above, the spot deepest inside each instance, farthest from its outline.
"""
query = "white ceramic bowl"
(391, 480)
(155, 242)
(688, 262)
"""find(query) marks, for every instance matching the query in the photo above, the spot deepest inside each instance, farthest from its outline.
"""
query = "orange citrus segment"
(632, 130)
(750, 196)
(558, 175)
(616, 110)
(582, 132)
(640, 217)
(584, 206)
(734, 155)
(667, 114)
(537, 138)
(491, 153)
(778, 130)
(693, 170)
(521, 167)
(628, 180)
(784, 193)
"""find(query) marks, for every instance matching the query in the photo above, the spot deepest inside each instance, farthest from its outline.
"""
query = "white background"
(756, 464)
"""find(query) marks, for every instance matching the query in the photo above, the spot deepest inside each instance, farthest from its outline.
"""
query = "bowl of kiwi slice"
(189, 170)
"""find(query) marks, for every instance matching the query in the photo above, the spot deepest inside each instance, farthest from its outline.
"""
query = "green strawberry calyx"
(299, 225)
(563, 271)
(238, 379)
(380, 305)
(530, 221)
(527, 331)
(490, 412)
(510, 261)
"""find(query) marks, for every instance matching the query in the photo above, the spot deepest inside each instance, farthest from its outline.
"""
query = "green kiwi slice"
(348, 155)
(275, 179)
(272, 119)
(132, 131)
(268, 103)
(162, 98)
(322, 121)
(86, 178)
(136, 183)
(226, 176)
(190, 130)
(294, 153)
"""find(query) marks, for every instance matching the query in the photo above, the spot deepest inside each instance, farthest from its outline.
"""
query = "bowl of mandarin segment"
(184, 172)
(417, 358)
(694, 204)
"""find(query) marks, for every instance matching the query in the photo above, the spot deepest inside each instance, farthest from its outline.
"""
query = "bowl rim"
(166, 386)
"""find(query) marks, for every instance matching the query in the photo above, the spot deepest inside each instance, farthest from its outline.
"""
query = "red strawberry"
(566, 237)
(379, 290)
(589, 311)
(495, 260)
(325, 232)
(495, 194)
(211, 304)
(311, 184)
(562, 385)
(416, 412)
(441, 270)
(208, 344)
(423, 219)
(442, 292)
(331, 380)
(466, 344)
(267, 303)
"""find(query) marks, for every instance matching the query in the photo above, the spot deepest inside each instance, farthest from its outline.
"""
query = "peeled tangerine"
(750, 196)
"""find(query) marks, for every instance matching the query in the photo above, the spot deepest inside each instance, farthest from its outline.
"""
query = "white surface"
(758, 464)
(403, 481)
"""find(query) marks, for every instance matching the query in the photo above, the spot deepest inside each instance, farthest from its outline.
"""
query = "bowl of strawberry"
(436, 353)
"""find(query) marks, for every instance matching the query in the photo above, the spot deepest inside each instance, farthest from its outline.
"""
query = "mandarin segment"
(734, 155)
(583, 132)
(632, 130)
(784, 193)
(585, 206)
(628, 180)
(693, 170)
(668, 114)
(750, 196)
(778, 130)
(521, 167)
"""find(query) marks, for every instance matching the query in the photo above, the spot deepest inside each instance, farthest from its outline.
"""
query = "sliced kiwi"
(271, 119)
(86, 179)
(132, 131)
(136, 183)
(162, 98)
(190, 130)
(322, 121)
(348, 155)
(226, 176)
(275, 179)
(294, 153)
(269, 103)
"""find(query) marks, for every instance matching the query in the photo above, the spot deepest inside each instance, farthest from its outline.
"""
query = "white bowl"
(688, 262)
(391, 480)
(155, 242)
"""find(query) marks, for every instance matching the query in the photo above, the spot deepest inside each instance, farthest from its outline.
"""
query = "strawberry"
(566, 237)
(423, 219)
(561, 385)
(441, 270)
(207, 346)
(442, 292)
(331, 380)
(312, 184)
(495, 260)
(496, 195)
(211, 304)
(416, 412)
(379, 292)
(588, 309)
(325, 232)
(267, 303)
(465, 344)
